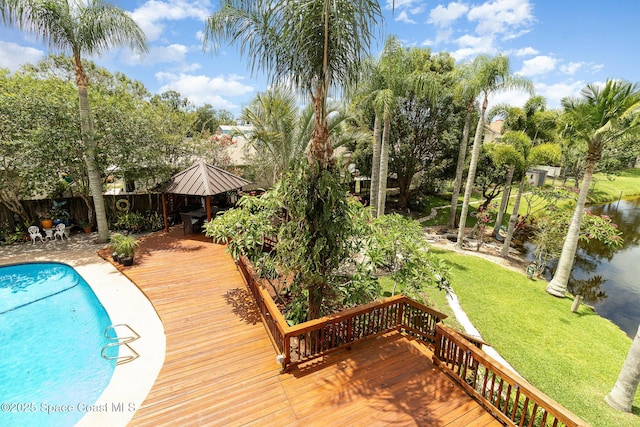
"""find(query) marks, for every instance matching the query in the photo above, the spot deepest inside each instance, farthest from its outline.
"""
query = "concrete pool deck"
(125, 304)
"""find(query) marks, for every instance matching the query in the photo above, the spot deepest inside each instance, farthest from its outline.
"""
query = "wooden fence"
(140, 203)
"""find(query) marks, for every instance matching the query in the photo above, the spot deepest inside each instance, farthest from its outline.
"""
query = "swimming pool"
(51, 336)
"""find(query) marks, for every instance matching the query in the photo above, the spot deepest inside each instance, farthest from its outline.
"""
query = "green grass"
(609, 188)
(573, 358)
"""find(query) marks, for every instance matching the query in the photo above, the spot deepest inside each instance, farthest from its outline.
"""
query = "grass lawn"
(573, 358)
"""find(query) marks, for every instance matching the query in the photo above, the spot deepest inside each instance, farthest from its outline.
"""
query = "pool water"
(51, 336)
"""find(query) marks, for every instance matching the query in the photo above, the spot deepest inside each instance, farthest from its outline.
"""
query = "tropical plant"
(82, 28)
(397, 247)
(314, 46)
(600, 116)
(123, 244)
(493, 75)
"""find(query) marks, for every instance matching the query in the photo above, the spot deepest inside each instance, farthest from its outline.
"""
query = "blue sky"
(560, 45)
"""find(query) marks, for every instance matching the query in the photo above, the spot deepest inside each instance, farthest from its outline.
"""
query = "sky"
(561, 46)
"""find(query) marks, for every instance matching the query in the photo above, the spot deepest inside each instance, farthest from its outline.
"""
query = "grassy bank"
(574, 358)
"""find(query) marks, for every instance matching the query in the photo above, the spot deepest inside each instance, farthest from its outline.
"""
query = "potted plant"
(123, 247)
(86, 227)
(45, 220)
(59, 214)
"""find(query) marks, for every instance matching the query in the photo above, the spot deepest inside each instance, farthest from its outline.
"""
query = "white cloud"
(444, 16)
(555, 92)
(174, 53)
(514, 98)
(200, 89)
(527, 51)
(572, 67)
(472, 45)
(501, 16)
(151, 14)
(404, 17)
(538, 65)
(12, 55)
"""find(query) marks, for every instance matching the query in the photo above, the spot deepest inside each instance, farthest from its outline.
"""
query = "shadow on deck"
(220, 367)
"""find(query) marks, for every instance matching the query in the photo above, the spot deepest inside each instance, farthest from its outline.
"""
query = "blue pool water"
(51, 336)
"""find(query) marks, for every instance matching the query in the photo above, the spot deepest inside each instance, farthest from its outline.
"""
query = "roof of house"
(202, 179)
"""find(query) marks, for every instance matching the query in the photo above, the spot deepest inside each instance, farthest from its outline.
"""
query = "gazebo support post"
(164, 212)
(208, 208)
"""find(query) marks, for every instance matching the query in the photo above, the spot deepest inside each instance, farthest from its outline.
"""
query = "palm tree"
(624, 390)
(529, 156)
(493, 75)
(602, 115)
(535, 121)
(392, 76)
(315, 47)
(281, 131)
(81, 28)
(468, 89)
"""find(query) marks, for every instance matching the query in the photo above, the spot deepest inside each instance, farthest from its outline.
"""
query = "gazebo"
(200, 179)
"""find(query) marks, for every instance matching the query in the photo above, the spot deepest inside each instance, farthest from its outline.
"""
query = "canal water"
(613, 274)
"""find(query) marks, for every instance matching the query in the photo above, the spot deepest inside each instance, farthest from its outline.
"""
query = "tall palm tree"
(533, 120)
(493, 75)
(315, 47)
(624, 390)
(530, 155)
(600, 116)
(80, 28)
(392, 76)
(468, 89)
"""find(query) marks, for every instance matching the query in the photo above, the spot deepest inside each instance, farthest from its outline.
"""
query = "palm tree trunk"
(375, 167)
(558, 285)
(624, 390)
(89, 154)
(506, 194)
(384, 165)
(473, 165)
(462, 154)
(512, 221)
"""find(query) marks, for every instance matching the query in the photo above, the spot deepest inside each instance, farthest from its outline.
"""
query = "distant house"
(493, 131)
(241, 151)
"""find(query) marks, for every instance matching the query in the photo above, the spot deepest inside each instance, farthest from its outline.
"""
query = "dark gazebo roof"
(202, 179)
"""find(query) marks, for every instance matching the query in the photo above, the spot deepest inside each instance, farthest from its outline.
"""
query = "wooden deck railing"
(507, 396)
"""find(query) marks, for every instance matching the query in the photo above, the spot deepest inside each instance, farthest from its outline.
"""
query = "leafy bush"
(130, 221)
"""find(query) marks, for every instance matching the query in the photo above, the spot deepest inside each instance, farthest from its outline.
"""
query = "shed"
(200, 179)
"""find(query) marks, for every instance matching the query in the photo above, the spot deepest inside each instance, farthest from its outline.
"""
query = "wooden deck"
(220, 367)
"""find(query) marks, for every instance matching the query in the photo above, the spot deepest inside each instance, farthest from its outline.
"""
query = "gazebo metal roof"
(202, 179)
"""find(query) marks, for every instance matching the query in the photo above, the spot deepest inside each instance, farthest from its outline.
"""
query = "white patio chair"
(59, 232)
(34, 233)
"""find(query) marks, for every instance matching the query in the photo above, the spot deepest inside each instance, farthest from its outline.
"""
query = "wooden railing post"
(437, 345)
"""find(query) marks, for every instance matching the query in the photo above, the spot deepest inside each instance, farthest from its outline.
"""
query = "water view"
(614, 274)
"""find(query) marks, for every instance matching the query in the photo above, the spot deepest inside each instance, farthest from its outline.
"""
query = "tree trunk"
(404, 185)
(506, 194)
(9, 199)
(375, 168)
(473, 165)
(384, 165)
(512, 221)
(558, 285)
(89, 153)
(462, 154)
(624, 390)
